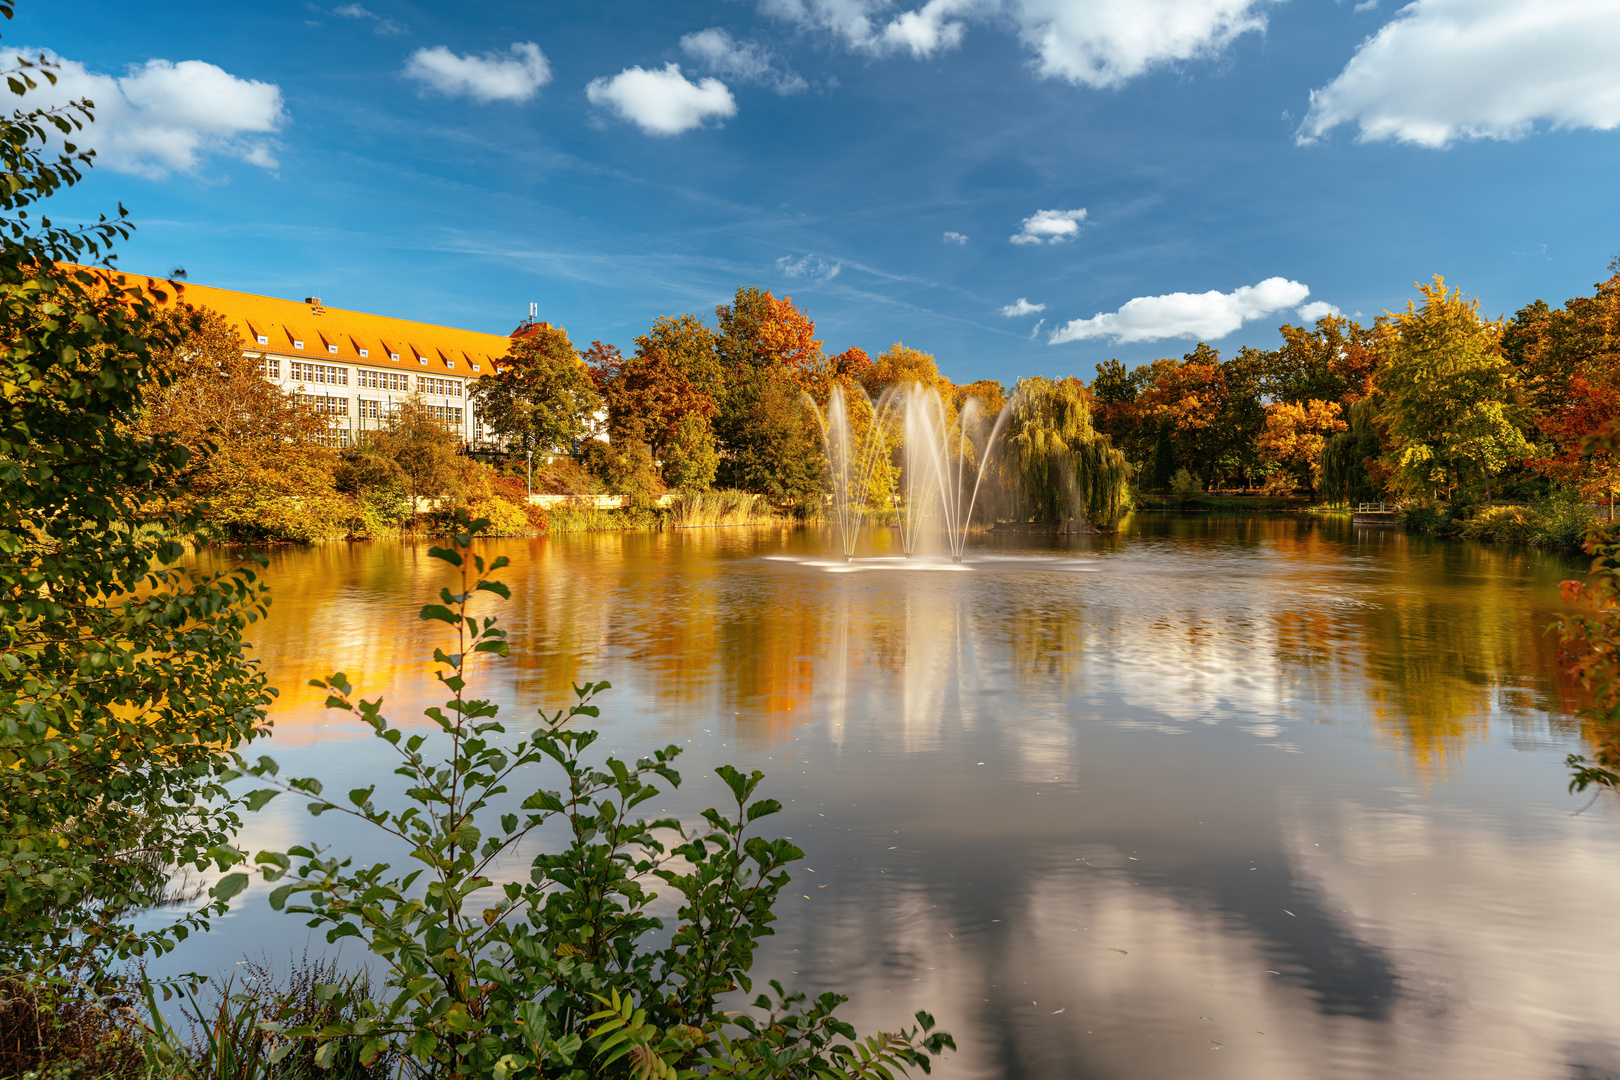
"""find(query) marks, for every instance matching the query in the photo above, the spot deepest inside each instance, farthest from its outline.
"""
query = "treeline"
(1432, 405)
(1437, 407)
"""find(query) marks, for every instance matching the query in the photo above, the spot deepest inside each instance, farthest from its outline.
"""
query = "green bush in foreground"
(558, 973)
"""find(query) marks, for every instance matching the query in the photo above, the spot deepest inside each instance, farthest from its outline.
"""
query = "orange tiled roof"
(329, 333)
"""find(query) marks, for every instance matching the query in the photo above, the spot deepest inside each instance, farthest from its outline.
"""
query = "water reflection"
(1247, 798)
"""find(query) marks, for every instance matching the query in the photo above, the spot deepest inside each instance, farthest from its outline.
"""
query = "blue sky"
(906, 172)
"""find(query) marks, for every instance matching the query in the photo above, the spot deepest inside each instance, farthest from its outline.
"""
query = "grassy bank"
(1559, 524)
(1226, 504)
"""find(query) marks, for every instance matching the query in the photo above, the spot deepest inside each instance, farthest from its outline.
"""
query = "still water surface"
(1220, 798)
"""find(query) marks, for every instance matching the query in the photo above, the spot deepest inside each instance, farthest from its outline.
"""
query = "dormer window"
(332, 349)
(393, 356)
(421, 359)
(475, 367)
(449, 363)
(298, 344)
(262, 339)
(364, 353)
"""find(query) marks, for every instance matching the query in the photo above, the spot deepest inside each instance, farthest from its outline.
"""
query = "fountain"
(912, 456)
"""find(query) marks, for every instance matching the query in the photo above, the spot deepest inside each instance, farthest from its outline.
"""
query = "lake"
(1219, 797)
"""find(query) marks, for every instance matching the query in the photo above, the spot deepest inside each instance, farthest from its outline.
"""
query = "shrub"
(565, 974)
(1184, 485)
(49, 1029)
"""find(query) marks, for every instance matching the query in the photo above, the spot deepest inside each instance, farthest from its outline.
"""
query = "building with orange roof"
(353, 365)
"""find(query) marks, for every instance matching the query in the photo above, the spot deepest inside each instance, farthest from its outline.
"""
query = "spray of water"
(913, 456)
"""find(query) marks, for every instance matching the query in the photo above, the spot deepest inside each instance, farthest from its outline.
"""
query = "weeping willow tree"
(1346, 456)
(1059, 467)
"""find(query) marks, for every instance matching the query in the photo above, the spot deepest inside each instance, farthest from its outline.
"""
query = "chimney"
(314, 302)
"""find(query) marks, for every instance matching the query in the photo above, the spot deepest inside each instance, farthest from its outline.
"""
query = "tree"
(1568, 363)
(1353, 469)
(1061, 466)
(775, 448)
(423, 450)
(260, 467)
(540, 396)
(1338, 360)
(690, 458)
(758, 332)
(1448, 396)
(900, 366)
(123, 676)
(1295, 435)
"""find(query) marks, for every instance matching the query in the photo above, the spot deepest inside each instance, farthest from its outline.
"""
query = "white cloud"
(1097, 43)
(662, 102)
(379, 24)
(491, 77)
(1318, 309)
(1208, 316)
(953, 237)
(1036, 329)
(809, 266)
(1022, 307)
(1049, 227)
(165, 117)
(743, 61)
(1443, 70)
(1102, 43)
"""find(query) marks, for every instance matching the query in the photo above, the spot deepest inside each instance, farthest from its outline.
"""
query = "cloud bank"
(1022, 307)
(662, 102)
(492, 77)
(1049, 227)
(1097, 43)
(1208, 316)
(166, 117)
(745, 62)
(1444, 70)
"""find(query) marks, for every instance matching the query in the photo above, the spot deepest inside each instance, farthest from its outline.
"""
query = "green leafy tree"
(1061, 466)
(774, 445)
(1449, 396)
(541, 397)
(122, 675)
(690, 457)
(564, 973)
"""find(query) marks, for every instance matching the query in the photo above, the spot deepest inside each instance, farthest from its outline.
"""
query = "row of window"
(325, 374)
(447, 387)
(384, 380)
(334, 406)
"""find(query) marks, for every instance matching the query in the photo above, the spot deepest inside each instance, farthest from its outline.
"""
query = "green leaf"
(229, 886)
(255, 800)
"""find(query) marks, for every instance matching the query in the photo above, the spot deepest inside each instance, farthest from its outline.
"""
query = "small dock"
(1374, 514)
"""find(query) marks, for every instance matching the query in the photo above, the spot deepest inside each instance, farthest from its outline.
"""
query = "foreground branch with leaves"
(559, 973)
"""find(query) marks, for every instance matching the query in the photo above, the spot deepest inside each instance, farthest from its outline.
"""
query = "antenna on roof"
(534, 311)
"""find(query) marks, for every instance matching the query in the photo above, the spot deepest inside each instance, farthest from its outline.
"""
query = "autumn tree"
(1353, 468)
(767, 437)
(901, 366)
(422, 449)
(540, 397)
(1449, 396)
(263, 458)
(1568, 363)
(1295, 435)
(1336, 360)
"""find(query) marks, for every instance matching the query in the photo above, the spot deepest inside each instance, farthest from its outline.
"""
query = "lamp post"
(530, 472)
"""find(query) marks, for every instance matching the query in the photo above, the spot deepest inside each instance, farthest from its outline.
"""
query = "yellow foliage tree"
(1295, 435)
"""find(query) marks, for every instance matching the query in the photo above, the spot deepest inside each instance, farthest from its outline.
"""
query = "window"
(383, 380)
(319, 374)
(393, 356)
(332, 349)
(449, 363)
(261, 339)
(475, 367)
(421, 359)
(372, 410)
(298, 344)
(270, 367)
(364, 353)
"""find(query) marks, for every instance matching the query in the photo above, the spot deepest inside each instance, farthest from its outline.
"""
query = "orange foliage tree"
(1295, 435)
